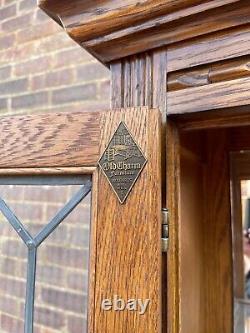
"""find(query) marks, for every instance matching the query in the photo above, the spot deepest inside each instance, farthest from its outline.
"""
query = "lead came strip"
(33, 244)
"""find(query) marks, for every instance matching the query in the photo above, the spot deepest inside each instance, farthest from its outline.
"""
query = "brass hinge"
(165, 230)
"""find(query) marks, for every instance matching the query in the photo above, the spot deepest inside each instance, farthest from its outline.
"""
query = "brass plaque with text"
(122, 162)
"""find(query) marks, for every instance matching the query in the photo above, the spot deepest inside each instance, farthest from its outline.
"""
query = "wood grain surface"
(239, 170)
(200, 279)
(128, 242)
(222, 45)
(234, 117)
(174, 15)
(191, 283)
(47, 171)
(92, 18)
(93, 254)
(211, 73)
(209, 97)
(141, 80)
(111, 30)
(50, 140)
(109, 48)
(173, 204)
(218, 272)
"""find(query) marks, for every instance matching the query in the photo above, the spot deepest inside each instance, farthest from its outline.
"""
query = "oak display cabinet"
(180, 94)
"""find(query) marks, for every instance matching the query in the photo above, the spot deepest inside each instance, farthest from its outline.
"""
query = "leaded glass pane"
(60, 303)
(13, 268)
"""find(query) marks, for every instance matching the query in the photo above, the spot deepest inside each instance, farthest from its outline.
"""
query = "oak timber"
(209, 97)
(130, 233)
(173, 204)
(102, 27)
(231, 117)
(141, 80)
(211, 73)
(50, 140)
(219, 46)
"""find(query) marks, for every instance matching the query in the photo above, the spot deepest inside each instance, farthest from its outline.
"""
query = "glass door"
(44, 237)
(80, 222)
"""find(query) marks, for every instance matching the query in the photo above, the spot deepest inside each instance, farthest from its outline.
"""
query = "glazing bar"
(14, 221)
(63, 213)
(30, 290)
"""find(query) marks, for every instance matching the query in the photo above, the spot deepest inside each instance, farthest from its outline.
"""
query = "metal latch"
(165, 230)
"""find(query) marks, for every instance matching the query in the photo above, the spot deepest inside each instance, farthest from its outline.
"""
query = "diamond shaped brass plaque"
(122, 162)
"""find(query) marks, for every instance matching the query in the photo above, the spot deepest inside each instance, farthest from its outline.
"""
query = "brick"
(92, 72)
(38, 82)
(67, 257)
(10, 324)
(6, 12)
(76, 324)
(81, 214)
(16, 23)
(8, 2)
(49, 318)
(3, 103)
(36, 193)
(65, 300)
(6, 42)
(59, 78)
(73, 94)
(14, 86)
(28, 211)
(79, 236)
(32, 66)
(29, 100)
(78, 281)
(40, 329)
(15, 54)
(104, 90)
(5, 228)
(51, 274)
(14, 248)
(5, 72)
(34, 228)
(8, 266)
(72, 57)
(27, 4)
(60, 235)
(40, 16)
(11, 193)
(79, 107)
(54, 43)
(9, 305)
(35, 32)
(23, 52)
(12, 287)
(46, 194)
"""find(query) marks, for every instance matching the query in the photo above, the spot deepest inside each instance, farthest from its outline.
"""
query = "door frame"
(125, 244)
(239, 162)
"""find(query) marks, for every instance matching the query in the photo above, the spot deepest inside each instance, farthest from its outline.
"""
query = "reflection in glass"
(242, 304)
(61, 253)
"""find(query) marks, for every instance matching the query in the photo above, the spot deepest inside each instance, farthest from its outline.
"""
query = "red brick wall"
(41, 68)
(62, 261)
